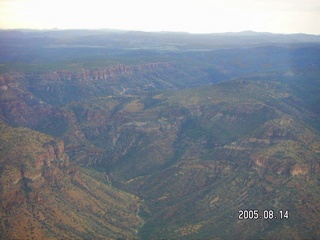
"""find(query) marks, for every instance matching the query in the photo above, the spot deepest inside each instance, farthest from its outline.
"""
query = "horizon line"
(145, 31)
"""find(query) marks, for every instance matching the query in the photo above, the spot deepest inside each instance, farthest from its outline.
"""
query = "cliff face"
(64, 86)
(100, 74)
(45, 196)
(29, 165)
(28, 99)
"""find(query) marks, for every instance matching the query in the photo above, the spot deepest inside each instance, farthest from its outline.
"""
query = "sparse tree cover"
(163, 136)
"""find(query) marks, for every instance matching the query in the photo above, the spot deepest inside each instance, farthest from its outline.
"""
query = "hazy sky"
(197, 16)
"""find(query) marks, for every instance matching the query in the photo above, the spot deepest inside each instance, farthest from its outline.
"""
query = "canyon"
(152, 139)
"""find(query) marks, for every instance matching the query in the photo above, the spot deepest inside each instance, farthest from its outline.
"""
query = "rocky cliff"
(36, 90)
(100, 74)
(45, 196)
(31, 161)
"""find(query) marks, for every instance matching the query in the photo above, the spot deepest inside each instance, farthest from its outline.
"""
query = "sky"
(195, 16)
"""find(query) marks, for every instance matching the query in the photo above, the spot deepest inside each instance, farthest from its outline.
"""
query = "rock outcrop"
(23, 181)
(299, 169)
(45, 196)
(100, 74)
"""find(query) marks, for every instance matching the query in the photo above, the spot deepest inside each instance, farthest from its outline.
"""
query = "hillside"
(44, 195)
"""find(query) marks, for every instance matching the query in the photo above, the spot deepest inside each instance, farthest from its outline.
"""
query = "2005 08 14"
(265, 214)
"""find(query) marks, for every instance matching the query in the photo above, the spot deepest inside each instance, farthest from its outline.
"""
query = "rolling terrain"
(159, 135)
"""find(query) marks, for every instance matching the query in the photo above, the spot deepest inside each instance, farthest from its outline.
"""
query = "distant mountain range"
(150, 40)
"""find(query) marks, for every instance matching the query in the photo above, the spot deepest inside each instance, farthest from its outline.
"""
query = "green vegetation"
(169, 136)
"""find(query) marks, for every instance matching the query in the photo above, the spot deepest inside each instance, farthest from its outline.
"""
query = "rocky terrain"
(158, 140)
(45, 196)
(183, 152)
